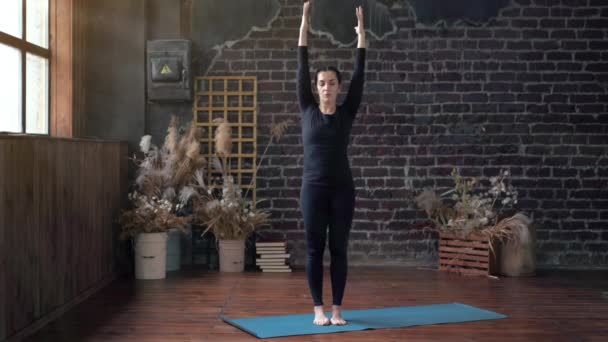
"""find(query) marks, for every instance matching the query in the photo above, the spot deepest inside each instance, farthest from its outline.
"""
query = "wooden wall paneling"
(79, 227)
(104, 224)
(58, 204)
(64, 173)
(111, 201)
(94, 218)
(69, 216)
(4, 163)
(22, 239)
(48, 231)
(99, 221)
(98, 218)
(52, 234)
(65, 181)
(105, 212)
(116, 199)
(122, 254)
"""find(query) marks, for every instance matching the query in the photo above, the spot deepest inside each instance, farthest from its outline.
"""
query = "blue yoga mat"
(398, 317)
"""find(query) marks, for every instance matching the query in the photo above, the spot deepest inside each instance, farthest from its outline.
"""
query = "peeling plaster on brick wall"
(220, 24)
(455, 12)
(336, 20)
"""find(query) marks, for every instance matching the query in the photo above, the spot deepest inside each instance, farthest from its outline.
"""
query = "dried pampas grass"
(277, 130)
(191, 159)
(162, 175)
(514, 229)
(150, 180)
(223, 144)
(171, 138)
(144, 143)
(428, 201)
(229, 217)
(223, 138)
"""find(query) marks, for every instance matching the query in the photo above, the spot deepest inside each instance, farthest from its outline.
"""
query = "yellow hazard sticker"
(165, 70)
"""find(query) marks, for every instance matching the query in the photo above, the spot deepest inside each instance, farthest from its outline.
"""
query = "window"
(24, 61)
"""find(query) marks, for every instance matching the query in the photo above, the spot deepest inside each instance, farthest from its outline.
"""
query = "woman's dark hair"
(329, 68)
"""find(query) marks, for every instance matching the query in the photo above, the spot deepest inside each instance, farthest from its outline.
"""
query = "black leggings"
(324, 206)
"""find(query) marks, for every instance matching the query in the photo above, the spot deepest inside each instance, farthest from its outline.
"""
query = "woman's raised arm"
(303, 88)
(355, 89)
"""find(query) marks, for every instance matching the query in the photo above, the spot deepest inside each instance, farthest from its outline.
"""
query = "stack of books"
(272, 256)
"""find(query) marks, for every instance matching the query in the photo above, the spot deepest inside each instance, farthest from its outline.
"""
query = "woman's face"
(328, 86)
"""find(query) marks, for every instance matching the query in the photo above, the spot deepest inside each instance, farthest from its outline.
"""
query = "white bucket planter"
(150, 256)
(174, 250)
(232, 255)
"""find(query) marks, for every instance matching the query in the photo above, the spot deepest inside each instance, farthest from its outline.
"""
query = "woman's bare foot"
(336, 315)
(320, 318)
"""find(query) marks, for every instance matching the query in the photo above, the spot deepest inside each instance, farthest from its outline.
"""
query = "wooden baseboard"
(53, 315)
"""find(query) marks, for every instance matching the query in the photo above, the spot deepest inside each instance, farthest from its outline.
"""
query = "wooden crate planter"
(470, 256)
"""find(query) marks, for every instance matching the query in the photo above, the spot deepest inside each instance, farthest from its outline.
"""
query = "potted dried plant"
(223, 209)
(473, 223)
(158, 199)
(147, 223)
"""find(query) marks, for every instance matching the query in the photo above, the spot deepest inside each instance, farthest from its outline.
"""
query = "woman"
(327, 197)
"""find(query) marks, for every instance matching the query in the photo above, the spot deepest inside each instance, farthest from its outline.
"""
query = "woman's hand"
(304, 26)
(305, 15)
(359, 28)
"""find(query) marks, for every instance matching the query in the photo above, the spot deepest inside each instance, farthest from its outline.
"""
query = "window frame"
(26, 47)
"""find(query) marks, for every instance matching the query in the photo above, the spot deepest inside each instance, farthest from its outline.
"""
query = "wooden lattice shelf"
(233, 98)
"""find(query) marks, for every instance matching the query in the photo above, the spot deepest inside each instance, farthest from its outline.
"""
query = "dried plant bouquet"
(229, 216)
(161, 188)
(150, 215)
(466, 209)
(228, 213)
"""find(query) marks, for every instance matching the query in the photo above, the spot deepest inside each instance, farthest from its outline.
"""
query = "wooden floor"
(553, 306)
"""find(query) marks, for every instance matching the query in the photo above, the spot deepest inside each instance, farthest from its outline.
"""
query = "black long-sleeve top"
(325, 137)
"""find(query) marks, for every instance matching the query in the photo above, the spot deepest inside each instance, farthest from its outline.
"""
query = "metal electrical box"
(169, 74)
